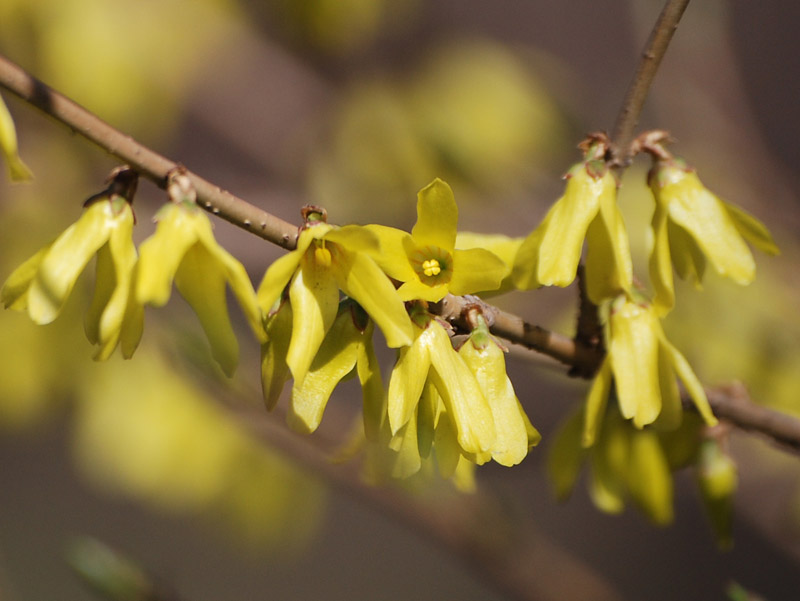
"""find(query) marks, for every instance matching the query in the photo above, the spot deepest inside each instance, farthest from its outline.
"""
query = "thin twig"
(656, 47)
(142, 159)
(733, 405)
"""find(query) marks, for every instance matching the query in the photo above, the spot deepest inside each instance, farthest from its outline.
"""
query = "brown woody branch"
(581, 357)
(142, 159)
(635, 96)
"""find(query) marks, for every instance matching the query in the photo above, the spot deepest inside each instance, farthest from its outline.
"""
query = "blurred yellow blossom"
(8, 146)
(42, 284)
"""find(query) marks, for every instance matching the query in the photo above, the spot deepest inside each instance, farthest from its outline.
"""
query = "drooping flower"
(485, 358)
(691, 226)
(8, 146)
(431, 360)
(183, 250)
(427, 261)
(643, 365)
(347, 347)
(588, 210)
(328, 259)
(624, 462)
(43, 283)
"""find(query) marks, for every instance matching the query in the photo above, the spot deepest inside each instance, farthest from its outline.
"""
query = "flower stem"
(143, 160)
(631, 110)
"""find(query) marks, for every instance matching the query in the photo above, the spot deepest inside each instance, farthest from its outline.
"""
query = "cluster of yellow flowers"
(447, 404)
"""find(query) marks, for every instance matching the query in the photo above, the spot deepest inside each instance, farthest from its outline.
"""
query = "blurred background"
(355, 105)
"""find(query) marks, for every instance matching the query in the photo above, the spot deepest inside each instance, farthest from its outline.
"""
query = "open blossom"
(643, 365)
(427, 261)
(588, 210)
(691, 226)
(43, 283)
(183, 250)
(329, 259)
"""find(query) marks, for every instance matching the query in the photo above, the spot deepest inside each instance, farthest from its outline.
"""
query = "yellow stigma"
(431, 267)
(322, 256)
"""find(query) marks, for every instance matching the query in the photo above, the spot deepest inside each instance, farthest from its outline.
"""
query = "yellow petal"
(236, 276)
(428, 410)
(14, 293)
(566, 225)
(633, 351)
(201, 281)
(335, 359)
(361, 279)
(315, 299)
(274, 370)
(407, 461)
(596, 403)
(460, 392)
(505, 247)
(690, 381)
(416, 290)
(105, 282)
(132, 322)
(406, 383)
(608, 257)
(8, 145)
(661, 263)
(448, 451)
(671, 414)
(565, 456)
(649, 477)
(161, 253)
(123, 255)
(525, 272)
(355, 238)
(475, 270)
(437, 217)
(609, 463)
(280, 273)
(755, 232)
(705, 217)
(392, 257)
(67, 257)
(687, 257)
(372, 392)
(489, 367)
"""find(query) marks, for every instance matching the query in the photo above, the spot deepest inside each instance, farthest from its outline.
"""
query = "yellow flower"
(515, 434)
(588, 210)
(8, 146)
(643, 364)
(328, 259)
(624, 462)
(183, 249)
(427, 261)
(431, 359)
(691, 226)
(44, 282)
(347, 346)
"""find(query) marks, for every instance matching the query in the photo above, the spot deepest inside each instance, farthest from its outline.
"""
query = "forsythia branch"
(142, 159)
(656, 47)
(582, 358)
